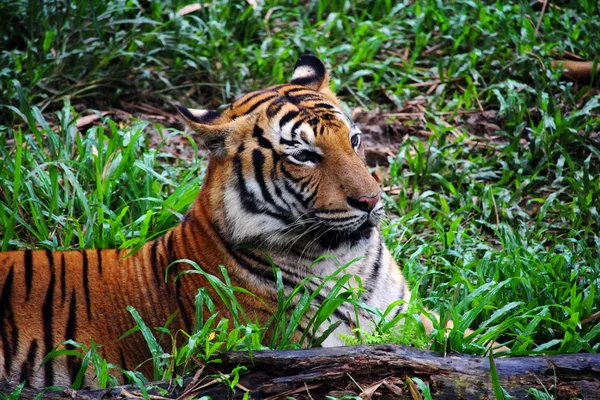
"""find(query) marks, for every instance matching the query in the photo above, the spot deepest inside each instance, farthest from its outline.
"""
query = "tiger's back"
(47, 297)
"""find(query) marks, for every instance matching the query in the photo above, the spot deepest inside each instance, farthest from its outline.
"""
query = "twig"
(550, 5)
(362, 104)
(539, 22)
(591, 318)
(495, 209)
(424, 84)
(191, 387)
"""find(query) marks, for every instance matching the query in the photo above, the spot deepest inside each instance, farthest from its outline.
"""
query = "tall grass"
(103, 188)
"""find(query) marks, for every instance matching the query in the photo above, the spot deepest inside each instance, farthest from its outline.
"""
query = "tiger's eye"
(355, 141)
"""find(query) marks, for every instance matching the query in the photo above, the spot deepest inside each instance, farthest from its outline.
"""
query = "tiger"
(286, 182)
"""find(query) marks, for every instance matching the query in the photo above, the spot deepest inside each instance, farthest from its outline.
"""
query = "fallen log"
(380, 371)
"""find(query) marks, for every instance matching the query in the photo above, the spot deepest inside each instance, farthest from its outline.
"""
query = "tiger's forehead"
(294, 110)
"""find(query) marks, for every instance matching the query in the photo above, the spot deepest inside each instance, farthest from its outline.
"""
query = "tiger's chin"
(331, 238)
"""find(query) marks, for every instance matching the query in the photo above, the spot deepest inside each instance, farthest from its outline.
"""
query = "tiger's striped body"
(286, 178)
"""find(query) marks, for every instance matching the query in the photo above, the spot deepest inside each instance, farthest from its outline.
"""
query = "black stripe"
(245, 99)
(123, 364)
(298, 196)
(86, 288)
(292, 89)
(291, 143)
(258, 160)
(401, 296)
(171, 253)
(310, 198)
(343, 219)
(63, 280)
(248, 201)
(296, 126)
(262, 141)
(263, 269)
(289, 176)
(288, 117)
(307, 181)
(167, 245)
(154, 262)
(275, 107)
(47, 318)
(323, 105)
(184, 316)
(28, 365)
(278, 191)
(180, 298)
(259, 103)
(322, 130)
(300, 98)
(28, 261)
(73, 362)
(331, 211)
(400, 308)
(7, 323)
(314, 122)
(375, 269)
(99, 255)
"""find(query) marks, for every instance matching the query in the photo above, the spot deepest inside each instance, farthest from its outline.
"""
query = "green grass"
(105, 188)
(502, 238)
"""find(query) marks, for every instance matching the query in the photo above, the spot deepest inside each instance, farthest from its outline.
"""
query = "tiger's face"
(288, 166)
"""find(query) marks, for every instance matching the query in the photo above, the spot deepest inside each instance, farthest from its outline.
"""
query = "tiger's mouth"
(332, 228)
(331, 237)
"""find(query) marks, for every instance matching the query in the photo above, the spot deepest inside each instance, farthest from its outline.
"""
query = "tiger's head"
(287, 165)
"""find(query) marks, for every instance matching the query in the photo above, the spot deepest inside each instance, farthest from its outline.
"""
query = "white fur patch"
(200, 114)
(304, 71)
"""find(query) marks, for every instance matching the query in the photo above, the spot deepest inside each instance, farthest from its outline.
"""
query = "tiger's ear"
(206, 124)
(311, 72)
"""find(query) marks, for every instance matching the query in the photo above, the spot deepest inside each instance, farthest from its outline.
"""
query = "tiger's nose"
(364, 203)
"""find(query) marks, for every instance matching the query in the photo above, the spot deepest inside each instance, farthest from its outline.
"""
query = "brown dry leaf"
(393, 388)
(591, 318)
(414, 390)
(582, 71)
(190, 8)
(368, 393)
(190, 387)
(88, 119)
